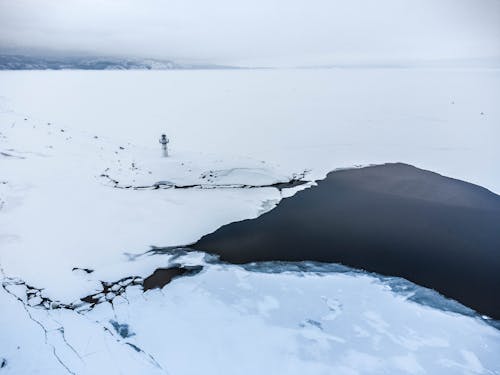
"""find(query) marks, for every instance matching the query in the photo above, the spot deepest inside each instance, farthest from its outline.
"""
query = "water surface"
(392, 219)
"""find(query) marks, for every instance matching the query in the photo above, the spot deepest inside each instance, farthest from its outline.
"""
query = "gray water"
(393, 219)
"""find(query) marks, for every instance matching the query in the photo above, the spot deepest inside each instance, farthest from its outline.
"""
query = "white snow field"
(84, 194)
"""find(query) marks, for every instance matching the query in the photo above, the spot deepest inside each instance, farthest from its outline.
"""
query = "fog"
(262, 32)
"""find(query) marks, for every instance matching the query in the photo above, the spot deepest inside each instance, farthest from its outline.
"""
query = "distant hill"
(23, 62)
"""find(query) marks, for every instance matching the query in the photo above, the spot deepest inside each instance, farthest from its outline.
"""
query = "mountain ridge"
(25, 62)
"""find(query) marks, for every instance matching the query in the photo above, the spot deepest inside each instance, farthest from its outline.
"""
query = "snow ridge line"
(164, 185)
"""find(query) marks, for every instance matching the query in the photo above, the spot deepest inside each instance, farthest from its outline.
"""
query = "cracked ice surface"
(61, 342)
(228, 319)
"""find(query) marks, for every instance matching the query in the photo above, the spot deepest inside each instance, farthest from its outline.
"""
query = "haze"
(265, 32)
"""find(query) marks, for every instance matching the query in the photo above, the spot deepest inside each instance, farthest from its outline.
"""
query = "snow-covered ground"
(317, 119)
(83, 186)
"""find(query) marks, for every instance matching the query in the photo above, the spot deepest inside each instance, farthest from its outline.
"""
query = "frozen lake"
(78, 279)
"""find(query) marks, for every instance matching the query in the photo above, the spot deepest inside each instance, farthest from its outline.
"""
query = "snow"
(83, 186)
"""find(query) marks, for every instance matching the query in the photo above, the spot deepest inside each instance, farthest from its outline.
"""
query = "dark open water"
(393, 219)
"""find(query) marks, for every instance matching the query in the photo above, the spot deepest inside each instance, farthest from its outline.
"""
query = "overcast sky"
(257, 31)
